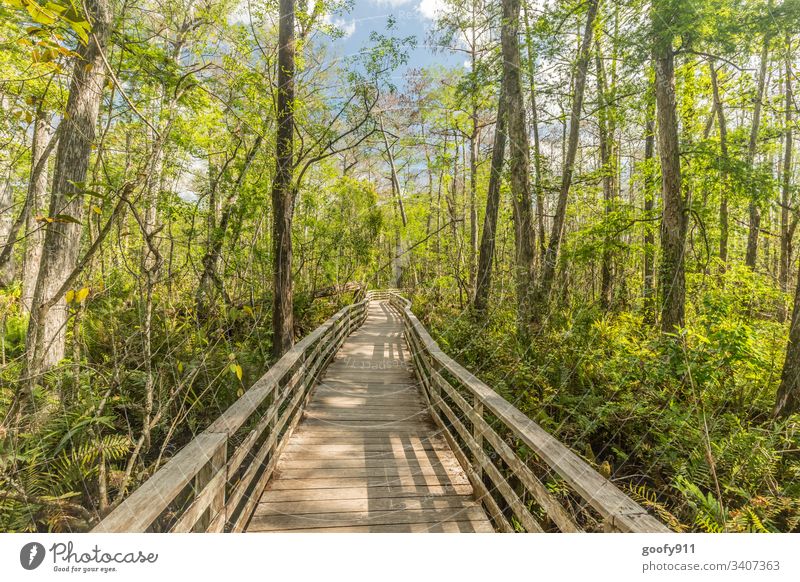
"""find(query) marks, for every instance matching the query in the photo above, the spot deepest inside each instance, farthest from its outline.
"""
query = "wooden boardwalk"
(366, 456)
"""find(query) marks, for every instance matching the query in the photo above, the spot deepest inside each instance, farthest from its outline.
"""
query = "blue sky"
(412, 17)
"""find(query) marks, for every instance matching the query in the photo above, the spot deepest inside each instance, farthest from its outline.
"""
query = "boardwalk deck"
(366, 456)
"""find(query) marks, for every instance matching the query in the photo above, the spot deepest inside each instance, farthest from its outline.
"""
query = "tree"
(550, 262)
(671, 276)
(483, 283)
(519, 158)
(282, 191)
(46, 338)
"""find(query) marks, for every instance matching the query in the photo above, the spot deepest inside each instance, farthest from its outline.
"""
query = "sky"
(412, 17)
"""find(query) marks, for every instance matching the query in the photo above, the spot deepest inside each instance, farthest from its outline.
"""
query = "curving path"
(366, 456)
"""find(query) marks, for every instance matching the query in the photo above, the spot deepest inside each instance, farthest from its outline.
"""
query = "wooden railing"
(525, 478)
(214, 482)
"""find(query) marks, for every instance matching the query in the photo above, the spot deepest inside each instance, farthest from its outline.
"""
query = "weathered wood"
(470, 514)
(365, 435)
(482, 494)
(480, 427)
(442, 527)
(598, 492)
(202, 461)
(360, 504)
(150, 500)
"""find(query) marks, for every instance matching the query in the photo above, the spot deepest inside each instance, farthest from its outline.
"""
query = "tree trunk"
(649, 290)
(755, 213)
(46, 338)
(786, 192)
(537, 149)
(559, 219)
(788, 397)
(519, 159)
(672, 285)
(483, 282)
(7, 228)
(37, 194)
(608, 161)
(282, 191)
(723, 148)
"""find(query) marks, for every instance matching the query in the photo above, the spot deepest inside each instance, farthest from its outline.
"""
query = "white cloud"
(348, 27)
(392, 3)
(432, 9)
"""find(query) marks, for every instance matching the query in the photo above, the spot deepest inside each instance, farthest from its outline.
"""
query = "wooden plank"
(321, 506)
(555, 510)
(480, 491)
(146, 504)
(401, 482)
(498, 481)
(444, 527)
(362, 492)
(394, 472)
(365, 435)
(355, 519)
(203, 501)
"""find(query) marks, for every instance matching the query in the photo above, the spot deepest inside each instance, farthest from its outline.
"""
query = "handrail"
(213, 483)
(513, 491)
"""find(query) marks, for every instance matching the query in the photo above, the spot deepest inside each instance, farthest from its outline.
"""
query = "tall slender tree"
(671, 279)
(550, 262)
(46, 337)
(282, 191)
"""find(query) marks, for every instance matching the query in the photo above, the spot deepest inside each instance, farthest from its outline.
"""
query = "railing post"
(217, 463)
(477, 411)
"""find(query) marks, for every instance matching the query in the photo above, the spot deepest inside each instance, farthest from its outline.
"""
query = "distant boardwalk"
(367, 457)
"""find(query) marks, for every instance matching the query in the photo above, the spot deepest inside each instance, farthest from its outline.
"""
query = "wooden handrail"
(513, 493)
(214, 482)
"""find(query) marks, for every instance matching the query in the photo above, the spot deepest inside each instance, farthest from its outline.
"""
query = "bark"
(608, 161)
(483, 283)
(559, 219)
(723, 148)
(210, 278)
(7, 228)
(787, 230)
(519, 158)
(46, 338)
(37, 195)
(672, 284)
(473, 162)
(649, 290)
(537, 149)
(755, 213)
(282, 194)
(788, 397)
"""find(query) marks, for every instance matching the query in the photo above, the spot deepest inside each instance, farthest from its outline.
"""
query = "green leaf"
(66, 218)
(237, 369)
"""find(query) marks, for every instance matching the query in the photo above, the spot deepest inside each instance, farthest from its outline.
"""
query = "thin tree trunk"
(282, 194)
(672, 285)
(608, 161)
(37, 194)
(7, 227)
(537, 149)
(551, 255)
(519, 159)
(483, 283)
(46, 338)
(755, 213)
(649, 290)
(788, 397)
(786, 186)
(723, 147)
